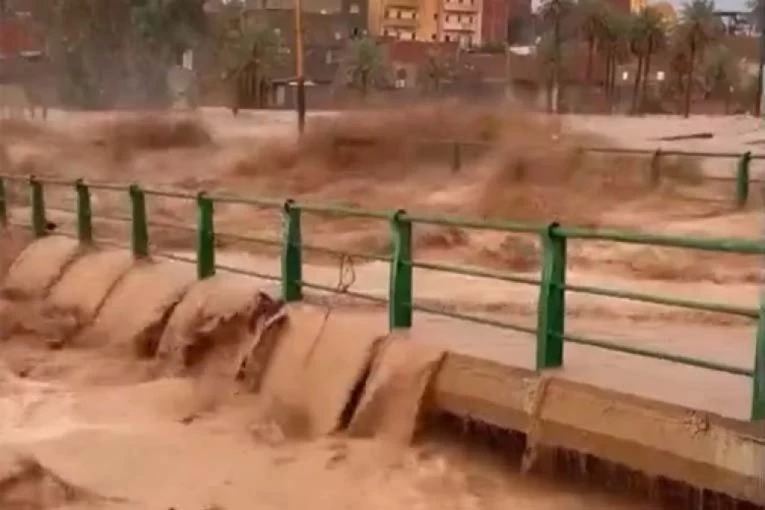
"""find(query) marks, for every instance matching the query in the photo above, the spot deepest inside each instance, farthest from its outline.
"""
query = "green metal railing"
(550, 331)
(741, 178)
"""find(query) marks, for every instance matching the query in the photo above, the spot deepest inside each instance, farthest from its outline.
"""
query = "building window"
(433, 37)
(435, 16)
(447, 38)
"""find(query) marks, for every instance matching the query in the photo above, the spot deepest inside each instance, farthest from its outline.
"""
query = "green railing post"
(292, 256)
(742, 179)
(205, 237)
(140, 228)
(39, 223)
(654, 171)
(456, 157)
(84, 213)
(400, 290)
(551, 309)
(758, 380)
(3, 205)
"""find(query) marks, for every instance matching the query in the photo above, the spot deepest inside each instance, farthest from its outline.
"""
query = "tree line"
(699, 60)
(102, 52)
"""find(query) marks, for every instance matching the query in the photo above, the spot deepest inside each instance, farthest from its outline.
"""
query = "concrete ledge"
(659, 439)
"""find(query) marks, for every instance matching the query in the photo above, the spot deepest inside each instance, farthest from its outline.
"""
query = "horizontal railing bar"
(345, 253)
(106, 186)
(729, 245)
(480, 273)
(341, 210)
(166, 193)
(453, 141)
(662, 300)
(477, 320)
(13, 177)
(607, 150)
(19, 224)
(669, 152)
(247, 272)
(168, 225)
(456, 221)
(113, 244)
(172, 256)
(61, 210)
(249, 238)
(335, 290)
(110, 217)
(55, 181)
(647, 353)
(236, 199)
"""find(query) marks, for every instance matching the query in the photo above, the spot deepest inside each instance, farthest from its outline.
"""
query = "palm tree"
(638, 47)
(648, 35)
(720, 73)
(436, 70)
(758, 13)
(591, 19)
(251, 51)
(557, 18)
(699, 26)
(655, 34)
(169, 26)
(614, 43)
(365, 64)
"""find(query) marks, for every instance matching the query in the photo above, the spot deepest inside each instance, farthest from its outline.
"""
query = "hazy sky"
(723, 5)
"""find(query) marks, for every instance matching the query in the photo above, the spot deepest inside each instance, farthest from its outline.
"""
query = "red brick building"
(494, 20)
(18, 38)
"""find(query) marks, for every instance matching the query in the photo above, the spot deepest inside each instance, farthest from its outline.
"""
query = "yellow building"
(427, 20)
(667, 12)
(638, 5)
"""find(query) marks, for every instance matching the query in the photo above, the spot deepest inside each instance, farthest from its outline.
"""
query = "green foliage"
(649, 32)
(247, 44)
(562, 12)
(366, 65)
(106, 52)
(170, 26)
(699, 25)
(720, 71)
(591, 18)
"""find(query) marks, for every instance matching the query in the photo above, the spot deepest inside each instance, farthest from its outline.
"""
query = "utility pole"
(299, 71)
(760, 11)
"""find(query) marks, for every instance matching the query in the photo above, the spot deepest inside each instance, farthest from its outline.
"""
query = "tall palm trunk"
(364, 83)
(689, 83)
(557, 65)
(590, 54)
(646, 75)
(612, 81)
(636, 84)
(607, 79)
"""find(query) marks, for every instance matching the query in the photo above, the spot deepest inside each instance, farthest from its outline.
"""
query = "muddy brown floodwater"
(82, 431)
(86, 428)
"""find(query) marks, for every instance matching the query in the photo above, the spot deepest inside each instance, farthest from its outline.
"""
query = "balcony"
(461, 6)
(461, 26)
(405, 4)
(400, 22)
